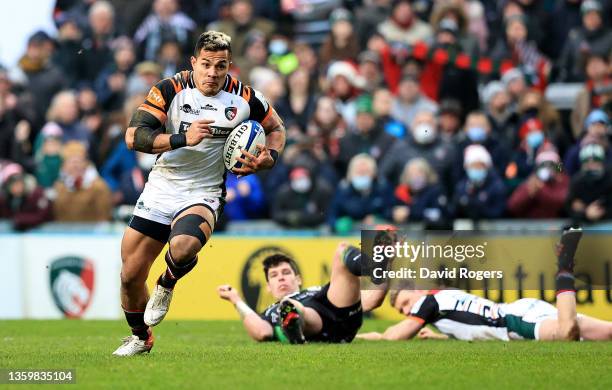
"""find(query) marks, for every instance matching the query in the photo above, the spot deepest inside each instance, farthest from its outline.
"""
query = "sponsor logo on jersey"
(230, 112)
(156, 97)
(253, 280)
(220, 132)
(209, 107)
(72, 284)
(186, 108)
(141, 206)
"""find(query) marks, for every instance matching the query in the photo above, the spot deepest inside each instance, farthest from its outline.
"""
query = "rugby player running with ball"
(185, 119)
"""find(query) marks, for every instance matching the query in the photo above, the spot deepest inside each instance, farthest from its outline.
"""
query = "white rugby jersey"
(176, 103)
(461, 315)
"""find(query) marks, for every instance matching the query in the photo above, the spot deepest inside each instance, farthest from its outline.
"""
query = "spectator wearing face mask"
(481, 194)
(419, 196)
(21, 199)
(522, 163)
(423, 141)
(367, 136)
(477, 130)
(597, 128)
(590, 193)
(543, 194)
(363, 197)
(303, 201)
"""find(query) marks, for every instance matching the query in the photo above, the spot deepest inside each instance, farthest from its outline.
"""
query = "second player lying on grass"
(331, 313)
(460, 315)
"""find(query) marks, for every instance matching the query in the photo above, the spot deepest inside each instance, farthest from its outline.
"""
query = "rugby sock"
(565, 282)
(174, 272)
(135, 320)
(351, 257)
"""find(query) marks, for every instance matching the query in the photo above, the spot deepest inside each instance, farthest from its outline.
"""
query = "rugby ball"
(245, 136)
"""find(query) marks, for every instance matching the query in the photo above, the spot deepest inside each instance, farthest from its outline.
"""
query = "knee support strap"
(190, 225)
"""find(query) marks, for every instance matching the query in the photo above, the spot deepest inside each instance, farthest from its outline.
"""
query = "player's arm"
(404, 330)
(145, 133)
(427, 333)
(256, 327)
(371, 299)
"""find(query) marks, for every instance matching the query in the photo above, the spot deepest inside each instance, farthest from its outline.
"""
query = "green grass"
(218, 355)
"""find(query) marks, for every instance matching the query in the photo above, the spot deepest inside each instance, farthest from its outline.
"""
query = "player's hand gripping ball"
(245, 137)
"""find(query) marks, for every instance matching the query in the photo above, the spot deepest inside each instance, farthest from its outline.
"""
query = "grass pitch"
(218, 354)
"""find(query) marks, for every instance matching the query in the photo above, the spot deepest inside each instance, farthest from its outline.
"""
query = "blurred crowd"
(396, 110)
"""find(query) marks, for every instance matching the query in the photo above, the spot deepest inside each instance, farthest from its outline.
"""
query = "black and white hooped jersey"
(462, 315)
(176, 103)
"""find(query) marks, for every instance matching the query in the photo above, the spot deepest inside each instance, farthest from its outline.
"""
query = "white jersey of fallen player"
(465, 316)
(176, 103)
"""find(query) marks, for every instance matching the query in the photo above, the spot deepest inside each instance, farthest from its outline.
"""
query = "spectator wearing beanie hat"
(368, 136)
(597, 127)
(477, 130)
(341, 44)
(590, 193)
(481, 194)
(21, 199)
(543, 194)
(496, 104)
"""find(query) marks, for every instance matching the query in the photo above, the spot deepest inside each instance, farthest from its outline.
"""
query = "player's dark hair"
(213, 41)
(276, 260)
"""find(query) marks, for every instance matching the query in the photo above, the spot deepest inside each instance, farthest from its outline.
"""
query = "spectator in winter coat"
(543, 194)
(21, 199)
(590, 193)
(303, 201)
(363, 197)
(419, 196)
(481, 194)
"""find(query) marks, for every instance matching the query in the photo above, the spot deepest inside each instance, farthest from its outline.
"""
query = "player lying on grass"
(331, 313)
(464, 316)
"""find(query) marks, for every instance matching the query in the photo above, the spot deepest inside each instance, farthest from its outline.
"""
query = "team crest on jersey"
(230, 113)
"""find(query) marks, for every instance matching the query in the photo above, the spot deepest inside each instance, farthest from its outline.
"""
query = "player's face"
(403, 303)
(209, 70)
(283, 281)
